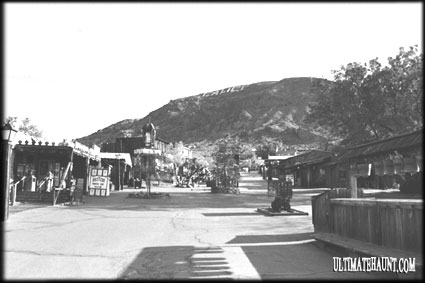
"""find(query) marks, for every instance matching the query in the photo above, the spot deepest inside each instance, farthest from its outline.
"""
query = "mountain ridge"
(258, 112)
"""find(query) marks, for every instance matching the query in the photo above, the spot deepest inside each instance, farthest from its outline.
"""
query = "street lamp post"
(7, 134)
(119, 177)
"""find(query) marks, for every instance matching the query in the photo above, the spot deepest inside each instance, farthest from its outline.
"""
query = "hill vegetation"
(259, 113)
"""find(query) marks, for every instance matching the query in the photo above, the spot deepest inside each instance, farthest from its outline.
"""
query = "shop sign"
(86, 151)
(99, 178)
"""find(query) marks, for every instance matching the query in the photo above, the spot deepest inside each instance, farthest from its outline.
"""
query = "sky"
(76, 68)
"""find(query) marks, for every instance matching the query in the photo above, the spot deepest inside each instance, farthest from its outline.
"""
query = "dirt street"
(192, 234)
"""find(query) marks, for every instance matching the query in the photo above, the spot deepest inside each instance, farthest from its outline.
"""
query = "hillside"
(265, 111)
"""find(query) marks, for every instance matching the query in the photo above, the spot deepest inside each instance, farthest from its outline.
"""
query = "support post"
(13, 200)
(86, 186)
(6, 190)
(353, 186)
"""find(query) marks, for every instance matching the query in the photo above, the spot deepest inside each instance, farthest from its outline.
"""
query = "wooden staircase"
(43, 197)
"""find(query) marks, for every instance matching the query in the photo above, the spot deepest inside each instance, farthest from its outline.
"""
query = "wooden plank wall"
(320, 210)
(391, 223)
(321, 207)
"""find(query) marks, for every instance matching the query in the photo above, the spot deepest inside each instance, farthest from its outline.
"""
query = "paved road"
(192, 234)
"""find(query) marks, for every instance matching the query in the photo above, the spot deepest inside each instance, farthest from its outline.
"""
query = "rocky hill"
(259, 112)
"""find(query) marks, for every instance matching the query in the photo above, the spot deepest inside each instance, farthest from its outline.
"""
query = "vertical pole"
(119, 177)
(6, 189)
(13, 194)
(353, 185)
(86, 186)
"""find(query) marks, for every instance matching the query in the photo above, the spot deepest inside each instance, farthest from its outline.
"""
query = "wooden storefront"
(366, 225)
(308, 169)
(39, 167)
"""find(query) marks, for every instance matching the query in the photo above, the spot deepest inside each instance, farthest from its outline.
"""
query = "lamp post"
(119, 177)
(7, 134)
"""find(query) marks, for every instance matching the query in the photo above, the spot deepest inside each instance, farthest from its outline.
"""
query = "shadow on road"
(178, 262)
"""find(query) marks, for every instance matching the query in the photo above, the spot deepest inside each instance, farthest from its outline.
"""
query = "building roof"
(279, 157)
(308, 158)
(67, 148)
(412, 139)
(117, 155)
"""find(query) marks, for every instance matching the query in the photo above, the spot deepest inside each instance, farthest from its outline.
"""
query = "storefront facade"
(38, 161)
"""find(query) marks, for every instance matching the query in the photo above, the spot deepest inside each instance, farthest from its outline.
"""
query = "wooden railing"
(321, 207)
(390, 223)
(14, 187)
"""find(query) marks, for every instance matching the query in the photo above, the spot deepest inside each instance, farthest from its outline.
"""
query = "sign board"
(99, 181)
(149, 151)
(87, 151)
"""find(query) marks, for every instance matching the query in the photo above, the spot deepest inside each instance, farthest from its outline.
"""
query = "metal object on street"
(282, 200)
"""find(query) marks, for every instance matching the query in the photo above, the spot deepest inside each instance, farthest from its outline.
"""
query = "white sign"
(223, 91)
(147, 151)
(98, 182)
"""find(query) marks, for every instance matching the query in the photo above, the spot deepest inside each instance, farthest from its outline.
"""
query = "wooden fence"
(390, 223)
(321, 207)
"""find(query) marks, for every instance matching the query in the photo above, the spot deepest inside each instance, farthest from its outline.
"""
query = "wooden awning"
(412, 139)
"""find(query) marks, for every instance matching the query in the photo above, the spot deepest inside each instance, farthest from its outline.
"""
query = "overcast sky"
(76, 68)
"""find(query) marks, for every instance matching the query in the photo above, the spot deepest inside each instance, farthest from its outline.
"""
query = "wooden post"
(13, 198)
(353, 185)
(5, 193)
(86, 186)
(65, 173)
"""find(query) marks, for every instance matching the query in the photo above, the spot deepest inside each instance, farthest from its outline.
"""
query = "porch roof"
(411, 139)
(117, 155)
(308, 158)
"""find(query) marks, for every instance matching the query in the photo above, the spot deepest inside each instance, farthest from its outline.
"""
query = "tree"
(30, 129)
(367, 102)
(266, 150)
(25, 127)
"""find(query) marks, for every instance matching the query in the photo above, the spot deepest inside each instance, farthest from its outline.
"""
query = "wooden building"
(121, 167)
(380, 165)
(307, 169)
(371, 226)
(37, 161)
(132, 145)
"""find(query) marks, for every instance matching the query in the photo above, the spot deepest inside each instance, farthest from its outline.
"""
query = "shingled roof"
(308, 158)
(407, 140)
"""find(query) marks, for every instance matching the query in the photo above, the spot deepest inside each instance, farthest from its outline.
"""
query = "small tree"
(25, 127)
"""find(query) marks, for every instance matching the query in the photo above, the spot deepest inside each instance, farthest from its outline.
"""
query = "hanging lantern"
(388, 167)
(410, 165)
(379, 168)
(398, 165)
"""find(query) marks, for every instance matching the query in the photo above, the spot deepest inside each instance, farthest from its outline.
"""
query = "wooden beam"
(353, 186)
